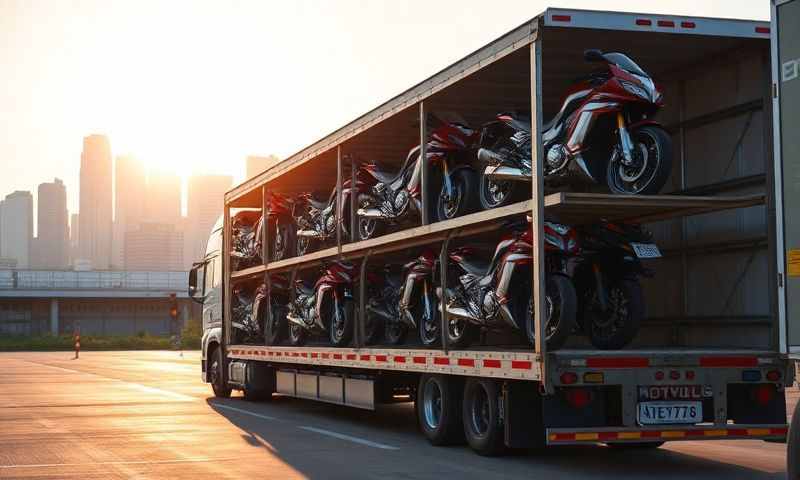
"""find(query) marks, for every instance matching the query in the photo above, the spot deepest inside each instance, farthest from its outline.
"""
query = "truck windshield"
(624, 62)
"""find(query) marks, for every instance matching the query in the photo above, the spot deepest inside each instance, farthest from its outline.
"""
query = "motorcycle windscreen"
(788, 77)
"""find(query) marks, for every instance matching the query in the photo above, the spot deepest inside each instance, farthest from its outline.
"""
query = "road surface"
(138, 415)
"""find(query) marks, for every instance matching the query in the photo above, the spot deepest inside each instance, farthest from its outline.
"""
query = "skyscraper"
(73, 238)
(95, 202)
(154, 246)
(52, 237)
(204, 205)
(163, 199)
(256, 164)
(16, 228)
(130, 193)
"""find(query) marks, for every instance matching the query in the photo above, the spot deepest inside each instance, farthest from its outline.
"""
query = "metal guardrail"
(70, 280)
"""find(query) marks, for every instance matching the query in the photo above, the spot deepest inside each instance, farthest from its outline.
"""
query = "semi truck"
(711, 357)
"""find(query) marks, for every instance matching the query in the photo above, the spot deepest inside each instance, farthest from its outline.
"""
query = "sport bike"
(603, 133)
(611, 303)
(396, 198)
(281, 225)
(325, 308)
(418, 306)
(497, 294)
(246, 239)
(248, 301)
(382, 307)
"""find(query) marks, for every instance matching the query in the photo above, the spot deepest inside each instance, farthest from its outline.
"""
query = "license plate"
(660, 413)
(646, 250)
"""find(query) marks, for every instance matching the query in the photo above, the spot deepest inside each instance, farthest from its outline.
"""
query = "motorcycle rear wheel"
(297, 335)
(428, 320)
(305, 245)
(341, 316)
(460, 332)
(462, 201)
(653, 157)
(284, 240)
(276, 329)
(561, 308)
(498, 193)
(615, 328)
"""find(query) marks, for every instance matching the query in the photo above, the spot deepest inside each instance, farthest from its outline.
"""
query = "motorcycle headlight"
(634, 89)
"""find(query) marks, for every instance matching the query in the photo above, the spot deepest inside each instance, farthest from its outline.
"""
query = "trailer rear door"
(786, 108)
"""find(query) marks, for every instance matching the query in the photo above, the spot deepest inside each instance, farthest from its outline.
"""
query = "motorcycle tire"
(395, 332)
(276, 329)
(460, 333)
(652, 143)
(283, 243)
(511, 192)
(429, 324)
(464, 200)
(297, 335)
(340, 336)
(614, 331)
(305, 245)
(561, 308)
(372, 328)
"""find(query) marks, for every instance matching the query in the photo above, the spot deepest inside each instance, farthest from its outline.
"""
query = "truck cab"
(205, 287)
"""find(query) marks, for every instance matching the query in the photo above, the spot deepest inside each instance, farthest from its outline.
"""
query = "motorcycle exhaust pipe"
(461, 312)
(498, 172)
(308, 233)
(370, 213)
(296, 320)
(380, 312)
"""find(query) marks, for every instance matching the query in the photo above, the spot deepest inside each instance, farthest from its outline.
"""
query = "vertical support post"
(361, 318)
(538, 207)
(226, 291)
(265, 244)
(772, 232)
(424, 166)
(443, 261)
(339, 207)
(684, 225)
(54, 317)
(353, 201)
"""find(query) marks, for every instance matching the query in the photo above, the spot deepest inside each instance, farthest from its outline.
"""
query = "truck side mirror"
(195, 288)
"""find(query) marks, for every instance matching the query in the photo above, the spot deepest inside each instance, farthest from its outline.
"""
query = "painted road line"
(342, 436)
(245, 412)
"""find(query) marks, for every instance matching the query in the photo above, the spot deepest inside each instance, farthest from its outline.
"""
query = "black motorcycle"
(418, 305)
(610, 299)
(383, 308)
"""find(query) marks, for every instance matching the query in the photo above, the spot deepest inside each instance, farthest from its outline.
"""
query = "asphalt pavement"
(141, 415)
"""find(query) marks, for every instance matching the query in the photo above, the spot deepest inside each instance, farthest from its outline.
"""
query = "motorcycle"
(603, 130)
(246, 239)
(498, 294)
(383, 308)
(316, 219)
(611, 302)
(278, 300)
(418, 305)
(327, 307)
(279, 220)
(396, 198)
(247, 305)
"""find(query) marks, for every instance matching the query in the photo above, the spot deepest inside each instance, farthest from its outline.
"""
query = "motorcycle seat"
(384, 176)
(571, 103)
(475, 266)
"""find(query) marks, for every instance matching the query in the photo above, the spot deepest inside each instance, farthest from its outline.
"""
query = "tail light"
(568, 378)
(578, 397)
(773, 375)
(764, 394)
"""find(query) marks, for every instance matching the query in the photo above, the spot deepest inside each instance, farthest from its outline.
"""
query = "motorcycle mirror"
(593, 55)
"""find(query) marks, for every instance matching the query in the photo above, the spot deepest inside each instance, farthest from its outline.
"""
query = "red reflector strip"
(314, 355)
(728, 362)
(420, 360)
(305, 355)
(521, 364)
(399, 359)
(620, 362)
(778, 431)
(326, 355)
(666, 23)
(561, 18)
(365, 358)
(762, 30)
(351, 356)
(687, 24)
(380, 358)
(337, 356)
(666, 434)
(491, 363)
(295, 354)
(441, 361)
(466, 362)
(278, 354)
(643, 22)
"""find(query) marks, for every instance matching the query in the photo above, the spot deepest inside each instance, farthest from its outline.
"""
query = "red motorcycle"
(281, 225)
(497, 294)
(418, 305)
(603, 133)
(396, 198)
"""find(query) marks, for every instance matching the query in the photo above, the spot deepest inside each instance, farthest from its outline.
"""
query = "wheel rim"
(338, 322)
(480, 416)
(646, 160)
(456, 328)
(430, 327)
(553, 306)
(366, 227)
(302, 245)
(432, 404)
(496, 191)
(279, 244)
(605, 324)
(450, 203)
(295, 331)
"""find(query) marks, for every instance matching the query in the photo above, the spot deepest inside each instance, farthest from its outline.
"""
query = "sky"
(196, 86)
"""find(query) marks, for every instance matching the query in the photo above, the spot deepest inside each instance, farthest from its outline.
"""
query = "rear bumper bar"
(576, 436)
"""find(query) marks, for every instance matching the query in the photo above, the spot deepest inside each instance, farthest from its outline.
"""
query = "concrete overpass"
(107, 302)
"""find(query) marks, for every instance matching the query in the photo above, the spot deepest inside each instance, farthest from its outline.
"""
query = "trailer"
(717, 335)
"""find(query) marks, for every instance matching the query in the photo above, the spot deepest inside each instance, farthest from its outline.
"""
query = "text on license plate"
(646, 250)
(656, 413)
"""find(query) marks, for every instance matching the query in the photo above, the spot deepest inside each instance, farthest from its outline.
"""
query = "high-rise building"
(95, 202)
(130, 194)
(154, 246)
(163, 198)
(73, 238)
(16, 228)
(256, 164)
(52, 238)
(205, 199)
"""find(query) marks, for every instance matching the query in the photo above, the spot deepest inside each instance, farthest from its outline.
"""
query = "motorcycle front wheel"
(614, 328)
(428, 319)
(368, 227)
(341, 316)
(460, 332)
(498, 193)
(304, 245)
(462, 199)
(275, 328)
(651, 167)
(297, 335)
(372, 328)
(560, 309)
(283, 241)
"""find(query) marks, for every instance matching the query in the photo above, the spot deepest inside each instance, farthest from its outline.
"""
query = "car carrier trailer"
(715, 334)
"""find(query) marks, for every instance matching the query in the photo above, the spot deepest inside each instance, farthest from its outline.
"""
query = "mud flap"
(522, 415)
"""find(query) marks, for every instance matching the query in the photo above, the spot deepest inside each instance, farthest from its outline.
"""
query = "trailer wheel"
(483, 427)
(438, 408)
(217, 375)
(793, 446)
